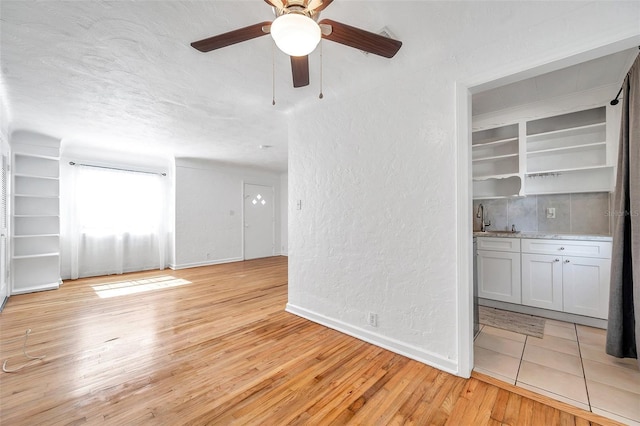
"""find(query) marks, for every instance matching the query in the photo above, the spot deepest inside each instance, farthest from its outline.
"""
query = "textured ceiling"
(120, 76)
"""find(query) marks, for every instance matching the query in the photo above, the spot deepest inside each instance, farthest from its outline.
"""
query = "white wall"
(208, 211)
(284, 214)
(378, 228)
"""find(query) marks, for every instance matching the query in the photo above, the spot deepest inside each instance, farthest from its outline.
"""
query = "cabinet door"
(499, 276)
(585, 283)
(542, 281)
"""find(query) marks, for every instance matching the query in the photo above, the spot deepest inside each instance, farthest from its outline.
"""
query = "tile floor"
(568, 364)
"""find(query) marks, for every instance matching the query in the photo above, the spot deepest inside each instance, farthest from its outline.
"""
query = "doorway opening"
(467, 109)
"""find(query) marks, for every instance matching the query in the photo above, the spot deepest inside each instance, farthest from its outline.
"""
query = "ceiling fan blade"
(232, 37)
(300, 70)
(361, 39)
(275, 3)
(319, 5)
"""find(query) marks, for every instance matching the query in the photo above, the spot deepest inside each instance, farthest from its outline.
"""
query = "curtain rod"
(71, 163)
(615, 101)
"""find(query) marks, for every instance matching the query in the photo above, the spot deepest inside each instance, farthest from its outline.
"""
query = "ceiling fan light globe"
(295, 34)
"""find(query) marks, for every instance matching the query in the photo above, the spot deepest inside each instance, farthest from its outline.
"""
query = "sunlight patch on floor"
(124, 288)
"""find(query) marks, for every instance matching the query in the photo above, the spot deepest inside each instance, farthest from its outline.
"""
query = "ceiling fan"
(297, 31)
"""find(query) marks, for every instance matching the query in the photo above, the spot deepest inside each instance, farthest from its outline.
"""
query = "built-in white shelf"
(32, 256)
(574, 149)
(559, 171)
(495, 157)
(563, 153)
(36, 215)
(569, 131)
(506, 187)
(35, 225)
(36, 235)
(490, 142)
(36, 166)
(36, 196)
(22, 175)
(497, 177)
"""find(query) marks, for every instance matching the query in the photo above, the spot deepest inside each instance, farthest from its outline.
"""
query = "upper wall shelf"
(495, 157)
(571, 152)
(567, 132)
(566, 148)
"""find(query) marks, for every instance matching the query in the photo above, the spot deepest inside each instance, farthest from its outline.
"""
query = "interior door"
(259, 221)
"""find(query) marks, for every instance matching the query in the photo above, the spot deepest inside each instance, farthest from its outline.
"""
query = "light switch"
(551, 212)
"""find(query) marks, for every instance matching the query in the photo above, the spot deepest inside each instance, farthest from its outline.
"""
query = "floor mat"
(512, 321)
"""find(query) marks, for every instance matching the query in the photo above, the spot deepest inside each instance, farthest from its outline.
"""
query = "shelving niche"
(568, 153)
(35, 213)
(495, 157)
(563, 153)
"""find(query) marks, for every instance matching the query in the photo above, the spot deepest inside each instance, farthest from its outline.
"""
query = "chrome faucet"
(481, 215)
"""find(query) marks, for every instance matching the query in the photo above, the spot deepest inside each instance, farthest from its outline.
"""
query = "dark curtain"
(623, 332)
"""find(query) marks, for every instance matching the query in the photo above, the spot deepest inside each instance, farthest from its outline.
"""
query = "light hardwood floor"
(213, 345)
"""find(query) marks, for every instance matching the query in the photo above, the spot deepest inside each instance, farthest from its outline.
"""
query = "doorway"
(259, 221)
(465, 192)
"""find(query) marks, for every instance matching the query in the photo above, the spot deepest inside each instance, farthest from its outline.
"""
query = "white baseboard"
(410, 351)
(205, 263)
(33, 289)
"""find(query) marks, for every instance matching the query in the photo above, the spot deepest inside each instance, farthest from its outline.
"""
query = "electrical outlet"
(551, 212)
(372, 319)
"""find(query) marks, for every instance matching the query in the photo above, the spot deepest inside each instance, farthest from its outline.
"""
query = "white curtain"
(118, 221)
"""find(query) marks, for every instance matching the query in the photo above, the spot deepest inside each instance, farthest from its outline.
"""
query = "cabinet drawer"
(599, 249)
(499, 244)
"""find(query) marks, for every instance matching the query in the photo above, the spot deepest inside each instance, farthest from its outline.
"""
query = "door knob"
(557, 260)
(566, 261)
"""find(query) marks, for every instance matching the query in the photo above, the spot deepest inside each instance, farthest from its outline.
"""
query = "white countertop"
(543, 235)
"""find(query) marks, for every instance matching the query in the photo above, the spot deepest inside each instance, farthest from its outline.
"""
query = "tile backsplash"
(586, 213)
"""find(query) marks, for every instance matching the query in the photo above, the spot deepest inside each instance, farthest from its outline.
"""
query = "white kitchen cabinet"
(567, 275)
(499, 269)
(585, 286)
(542, 281)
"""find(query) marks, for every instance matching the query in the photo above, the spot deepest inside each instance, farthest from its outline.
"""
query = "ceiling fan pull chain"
(321, 95)
(273, 72)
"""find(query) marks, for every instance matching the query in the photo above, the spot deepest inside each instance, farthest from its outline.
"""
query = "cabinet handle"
(561, 248)
(566, 261)
(557, 260)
